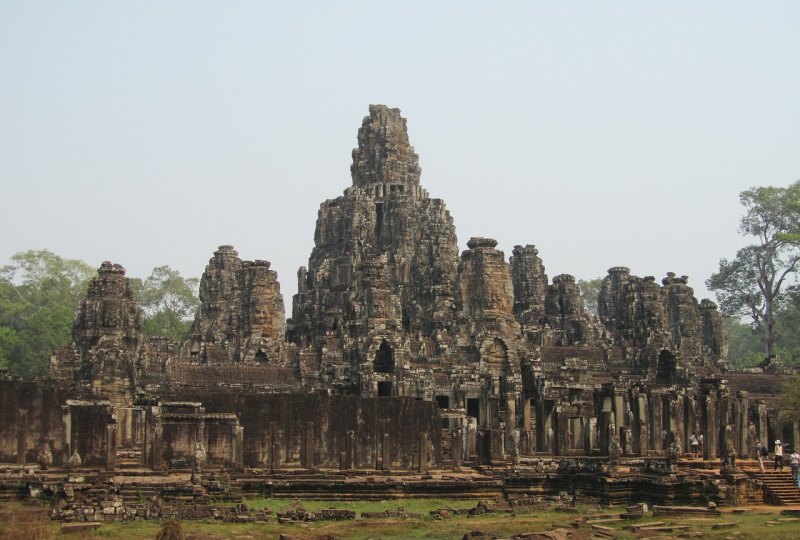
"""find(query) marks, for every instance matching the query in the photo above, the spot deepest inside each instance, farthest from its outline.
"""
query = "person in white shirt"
(778, 455)
(794, 461)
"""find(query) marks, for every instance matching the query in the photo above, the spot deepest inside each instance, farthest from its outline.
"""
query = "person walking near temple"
(695, 444)
(761, 452)
(778, 455)
(794, 461)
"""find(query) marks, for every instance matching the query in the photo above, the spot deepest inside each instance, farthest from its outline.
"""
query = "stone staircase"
(129, 458)
(779, 487)
(133, 494)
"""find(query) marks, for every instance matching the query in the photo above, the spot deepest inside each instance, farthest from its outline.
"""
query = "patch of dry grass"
(18, 522)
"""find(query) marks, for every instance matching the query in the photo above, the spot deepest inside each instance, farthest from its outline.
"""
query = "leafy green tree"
(760, 280)
(168, 300)
(791, 394)
(590, 292)
(39, 294)
(744, 344)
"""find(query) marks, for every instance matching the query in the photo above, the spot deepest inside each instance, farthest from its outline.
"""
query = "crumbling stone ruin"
(400, 354)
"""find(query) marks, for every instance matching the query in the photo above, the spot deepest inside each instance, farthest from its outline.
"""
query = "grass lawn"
(763, 523)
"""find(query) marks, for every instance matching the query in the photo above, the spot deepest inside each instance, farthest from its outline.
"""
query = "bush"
(170, 530)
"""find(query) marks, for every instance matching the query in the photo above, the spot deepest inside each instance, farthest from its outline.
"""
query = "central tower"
(382, 273)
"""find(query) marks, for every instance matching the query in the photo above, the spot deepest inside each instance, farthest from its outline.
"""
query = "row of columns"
(637, 422)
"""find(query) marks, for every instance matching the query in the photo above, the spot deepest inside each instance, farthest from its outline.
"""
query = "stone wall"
(30, 418)
(282, 419)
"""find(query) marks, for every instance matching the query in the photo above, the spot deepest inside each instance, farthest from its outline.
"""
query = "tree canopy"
(168, 300)
(590, 293)
(761, 279)
(41, 291)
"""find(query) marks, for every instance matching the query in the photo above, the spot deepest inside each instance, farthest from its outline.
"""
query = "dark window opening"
(473, 407)
(384, 359)
(666, 369)
(384, 388)
(443, 402)
(406, 320)
(261, 357)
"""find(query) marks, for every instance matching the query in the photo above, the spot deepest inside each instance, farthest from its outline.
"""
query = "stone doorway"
(384, 388)
(384, 359)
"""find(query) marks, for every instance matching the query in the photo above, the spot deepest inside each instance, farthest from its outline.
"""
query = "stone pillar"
(267, 450)
(122, 422)
(66, 448)
(473, 449)
(605, 421)
(157, 457)
(761, 421)
(528, 415)
(724, 413)
(274, 447)
(201, 434)
(146, 436)
(511, 412)
(493, 413)
(497, 453)
(586, 434)
(644, 438)
(563, 427)
(128, 427)
(690, 406)
(308, 446)
(619, 411)
(591, 436)
(111, 450)
(676, 422)
(710, 429)
(350, 450)
(379, 433)
(238, 433)
(139, 427)
(422, 463)
(386, 458)
(274, 456)
(457, 447)
(531, 431)
(22, 436)
(657, 423)
(643, 420)
(743, 423)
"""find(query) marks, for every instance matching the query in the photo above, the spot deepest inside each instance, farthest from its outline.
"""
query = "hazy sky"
(605, 133)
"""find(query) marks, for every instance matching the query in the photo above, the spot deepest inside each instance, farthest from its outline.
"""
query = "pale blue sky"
(606, 133)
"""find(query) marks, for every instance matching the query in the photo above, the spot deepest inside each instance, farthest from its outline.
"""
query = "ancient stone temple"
(400, 353)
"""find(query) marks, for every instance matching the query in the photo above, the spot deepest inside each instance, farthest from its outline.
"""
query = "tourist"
(761, 452)
(794, 461)
(695, 444)
(700, 440)
(778, 455)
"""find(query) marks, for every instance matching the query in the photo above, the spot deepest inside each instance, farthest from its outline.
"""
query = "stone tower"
(241, 315)
(383, 268)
